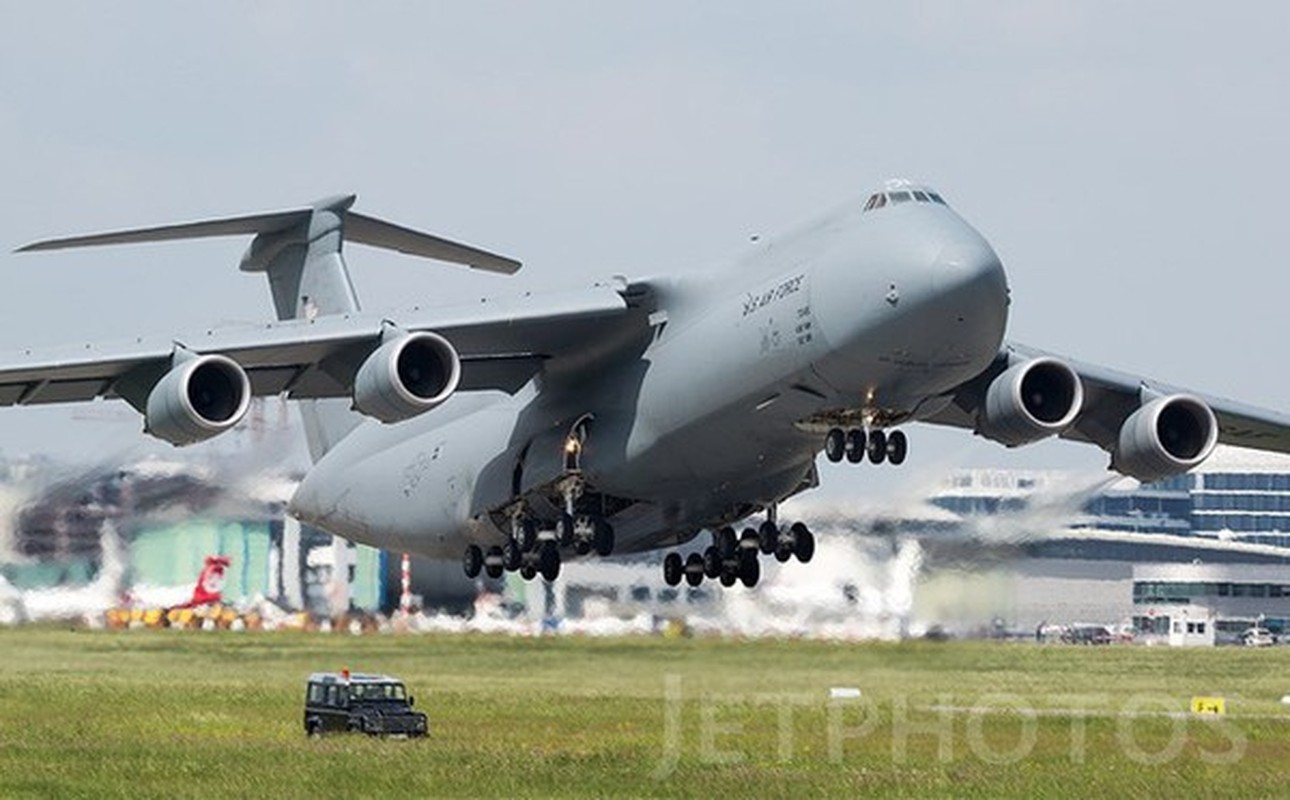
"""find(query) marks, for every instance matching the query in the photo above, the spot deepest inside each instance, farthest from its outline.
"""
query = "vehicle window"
(333, 695)
(900, 197)
(315, 693)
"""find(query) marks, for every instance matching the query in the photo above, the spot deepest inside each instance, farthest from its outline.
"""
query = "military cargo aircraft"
(632, 415)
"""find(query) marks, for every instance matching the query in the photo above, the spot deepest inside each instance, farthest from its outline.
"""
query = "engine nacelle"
(1167, 436)
(1031, 400)
(406, 376)
(199, 398)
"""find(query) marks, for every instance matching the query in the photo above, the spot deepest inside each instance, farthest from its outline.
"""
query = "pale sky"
(1126, 160)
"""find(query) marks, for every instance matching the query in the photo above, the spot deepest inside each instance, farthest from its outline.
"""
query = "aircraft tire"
(582, 547)
(604, 538)
(727, 544)
(835, 445)
(803, 543)
(877, 447)
(673, 569)
(749, 542)
(768, 533)
(750, 571)
(711, 562)
(728, 578)
(694, 569)
(783, 552)
(528, 535)
(549, 562)
(897, 447)
(493, 571)
(854, 448)
(511, 555)
(473, 561)
(528, 572)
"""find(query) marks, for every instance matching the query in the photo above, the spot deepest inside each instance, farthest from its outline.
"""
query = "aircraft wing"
(502, 343)
(1110, 397)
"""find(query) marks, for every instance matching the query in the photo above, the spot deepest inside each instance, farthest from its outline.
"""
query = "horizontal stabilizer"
(357, 227)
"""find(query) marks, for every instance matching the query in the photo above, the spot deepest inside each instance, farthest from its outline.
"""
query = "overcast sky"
(1127, 160)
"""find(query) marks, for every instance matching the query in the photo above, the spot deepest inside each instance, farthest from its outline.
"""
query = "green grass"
(190, 714)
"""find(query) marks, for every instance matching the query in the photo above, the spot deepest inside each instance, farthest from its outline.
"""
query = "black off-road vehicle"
(377, 705)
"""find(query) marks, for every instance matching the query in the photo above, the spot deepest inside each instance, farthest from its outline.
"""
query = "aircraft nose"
(970, 280)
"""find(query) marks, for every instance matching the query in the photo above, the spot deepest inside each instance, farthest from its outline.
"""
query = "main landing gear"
(854, 445)
(532, 552)
(730, 559)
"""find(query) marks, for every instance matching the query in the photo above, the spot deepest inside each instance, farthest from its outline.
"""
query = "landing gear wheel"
(727, 544)
(473, 561)
(565, 531)
(694, 569)
(835, 445)
(528, 535)
(511, 555)
(549, 562)
(783, 551)
(749, 543)
(604, 538)
(673, 569)
(728, 578)
(768, 533)
(877, 447)
(897, 447)
(711, 562)
(803, 543)
(493, 563)
(750, 571)
(528, 572)
(582, 547)
(855, 445)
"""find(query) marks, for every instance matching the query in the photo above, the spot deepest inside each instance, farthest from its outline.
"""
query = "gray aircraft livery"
(636, 414)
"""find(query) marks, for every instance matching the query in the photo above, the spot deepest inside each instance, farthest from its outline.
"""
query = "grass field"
(189, 714)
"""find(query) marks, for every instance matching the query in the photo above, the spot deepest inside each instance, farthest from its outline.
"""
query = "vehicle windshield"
(377, 691)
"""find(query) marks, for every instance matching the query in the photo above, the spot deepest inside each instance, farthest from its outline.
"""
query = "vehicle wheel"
(673, 569)
(835, 445)
(726, 543)
(877, 447)
(855, 445)
(549, 562)
(750, 571)
(313, 729)
(897, 447)
(566, 530)
(493, 570)
(604, 538)
(528, 572)
(528, 535)
(711, 562)
(769, 535)
(511, 555)
(694, 569)
(473, 561)
(728, 578)
(803, 543)
(783, 552)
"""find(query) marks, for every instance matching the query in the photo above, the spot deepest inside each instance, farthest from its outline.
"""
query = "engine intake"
(1031, 400)
(1165, 437)
(197, 399)
(407, 376)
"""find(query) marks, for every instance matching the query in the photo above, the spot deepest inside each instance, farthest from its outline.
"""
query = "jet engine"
(406, 376)
(1031, 400)
(1166, 436)
(198, 398)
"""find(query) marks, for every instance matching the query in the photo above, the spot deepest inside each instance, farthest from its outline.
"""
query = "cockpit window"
(880, 199)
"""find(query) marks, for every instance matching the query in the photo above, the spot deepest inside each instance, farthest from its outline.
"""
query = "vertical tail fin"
(308, 277)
